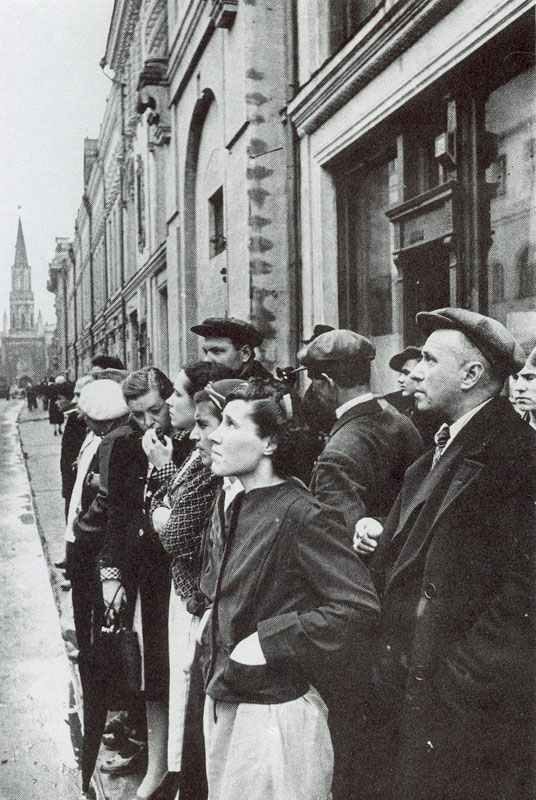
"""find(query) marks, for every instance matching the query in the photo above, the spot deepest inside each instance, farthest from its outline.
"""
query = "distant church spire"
(21, 299)
(21, 258)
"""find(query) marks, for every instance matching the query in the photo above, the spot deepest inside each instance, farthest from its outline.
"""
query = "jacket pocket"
(247, 679)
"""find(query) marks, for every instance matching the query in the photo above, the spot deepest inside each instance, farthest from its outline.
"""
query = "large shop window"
(511, 118)
(366, 259)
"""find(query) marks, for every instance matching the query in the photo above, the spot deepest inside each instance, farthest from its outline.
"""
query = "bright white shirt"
(90, 445)
(460, 423)
(231, 488)
(355, 401)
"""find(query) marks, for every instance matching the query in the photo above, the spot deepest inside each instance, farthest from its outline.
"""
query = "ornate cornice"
(124, 18)
(154, 29)
(360, 61)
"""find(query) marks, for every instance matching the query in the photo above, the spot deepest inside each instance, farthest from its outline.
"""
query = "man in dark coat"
(454, 678)
(371, 444)
(358, 474)
(232, 342)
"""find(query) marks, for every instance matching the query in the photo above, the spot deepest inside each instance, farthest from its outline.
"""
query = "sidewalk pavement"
(41, 450)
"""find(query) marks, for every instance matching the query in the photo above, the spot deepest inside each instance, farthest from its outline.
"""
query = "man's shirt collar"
(362, 398)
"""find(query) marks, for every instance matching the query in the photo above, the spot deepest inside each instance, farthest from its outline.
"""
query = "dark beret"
(490, 336)
(229, 327)
(399, 359)
(336, 345)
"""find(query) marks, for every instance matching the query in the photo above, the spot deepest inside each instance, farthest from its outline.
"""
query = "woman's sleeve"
(348, 606)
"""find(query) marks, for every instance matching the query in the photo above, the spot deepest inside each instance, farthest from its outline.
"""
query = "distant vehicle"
(4, 387)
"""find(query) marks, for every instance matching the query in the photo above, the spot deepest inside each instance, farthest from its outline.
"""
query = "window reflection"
(510, 116)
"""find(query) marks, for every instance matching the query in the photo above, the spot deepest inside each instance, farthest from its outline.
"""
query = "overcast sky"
(54, 95)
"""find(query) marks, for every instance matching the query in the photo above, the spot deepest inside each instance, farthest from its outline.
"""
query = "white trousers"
(182, 631)
(268, 752)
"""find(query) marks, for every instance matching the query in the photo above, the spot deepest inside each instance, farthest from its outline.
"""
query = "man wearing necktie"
(454, 681)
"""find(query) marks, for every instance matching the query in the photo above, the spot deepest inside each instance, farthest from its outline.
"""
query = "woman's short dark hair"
(273, 416)
(107, 362)
(145, 380)
(199, 373)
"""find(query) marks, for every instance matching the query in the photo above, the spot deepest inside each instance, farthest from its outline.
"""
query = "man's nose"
(416, 373)
(215, 435)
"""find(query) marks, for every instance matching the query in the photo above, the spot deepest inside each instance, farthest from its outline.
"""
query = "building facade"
(230, 187)
(186, 204)
(338, 161)
(23, 352)
(416, 123)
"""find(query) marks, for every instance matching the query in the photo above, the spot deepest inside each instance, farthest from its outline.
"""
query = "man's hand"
(202, 625)
(158, 454)
(114, 596)
(249, 651)
(367, 531)
(160, 517)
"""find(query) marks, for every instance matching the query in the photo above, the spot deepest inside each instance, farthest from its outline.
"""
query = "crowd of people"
(332, 591)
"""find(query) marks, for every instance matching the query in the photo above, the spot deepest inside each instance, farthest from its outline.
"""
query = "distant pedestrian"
(55, 414)
(31, 398)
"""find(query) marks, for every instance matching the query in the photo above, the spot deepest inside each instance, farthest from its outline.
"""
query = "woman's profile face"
(237, 447)
(181, 404)
(207, 420)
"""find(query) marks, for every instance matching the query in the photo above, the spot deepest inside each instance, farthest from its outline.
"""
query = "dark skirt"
(154, 587)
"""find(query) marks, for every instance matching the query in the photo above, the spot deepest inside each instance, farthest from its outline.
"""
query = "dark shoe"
(126, 766)
(61, 564)
(117, 722)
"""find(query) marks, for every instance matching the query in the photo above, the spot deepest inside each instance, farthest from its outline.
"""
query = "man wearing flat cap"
(358, 473)
(404, 400)
(232, 342)
(454, 676)
(370, 444)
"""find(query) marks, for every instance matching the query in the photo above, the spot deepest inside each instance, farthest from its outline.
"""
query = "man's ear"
(473, 373)
(270, 448)
(246, 352)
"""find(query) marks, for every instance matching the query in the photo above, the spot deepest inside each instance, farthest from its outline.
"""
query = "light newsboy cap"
(226, 327)
(336, 345)
(490, 336)
(103, 400)
(399, 359)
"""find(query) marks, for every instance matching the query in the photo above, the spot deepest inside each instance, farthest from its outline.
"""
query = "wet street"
(36, 753)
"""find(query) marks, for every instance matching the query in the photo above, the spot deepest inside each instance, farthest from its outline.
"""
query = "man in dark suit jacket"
(358, 473)
(454, 677)
(371, 444)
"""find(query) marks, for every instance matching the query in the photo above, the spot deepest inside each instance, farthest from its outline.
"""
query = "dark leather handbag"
(116, 660)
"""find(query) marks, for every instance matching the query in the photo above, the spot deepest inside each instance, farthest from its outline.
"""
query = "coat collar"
(454, 475)
(360, 410)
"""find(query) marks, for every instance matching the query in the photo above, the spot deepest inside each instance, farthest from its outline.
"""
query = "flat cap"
(103, 400)
(336, 345)
(399, 359)
(318, 330)
(490, 336)
(229, 327)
